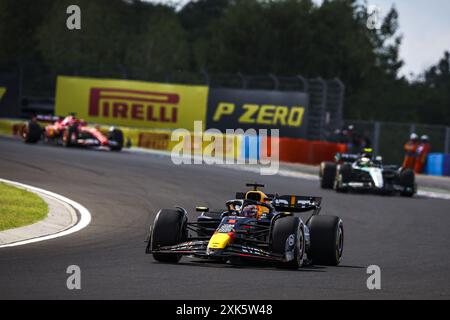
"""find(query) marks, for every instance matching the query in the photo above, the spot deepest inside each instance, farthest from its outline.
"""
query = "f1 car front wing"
(200, 249)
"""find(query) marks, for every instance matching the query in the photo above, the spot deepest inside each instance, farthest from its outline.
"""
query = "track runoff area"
(124, 191)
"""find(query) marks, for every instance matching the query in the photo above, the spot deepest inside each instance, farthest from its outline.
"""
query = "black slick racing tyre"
(327, 174)
(343, 177)
(169, 228)
(327, 240)
(67, 136)
(32, 132)
(288, 239)
(407, 181)
(116, 135)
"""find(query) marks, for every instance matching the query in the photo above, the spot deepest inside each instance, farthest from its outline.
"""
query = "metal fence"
(387, 138)
(37, 84)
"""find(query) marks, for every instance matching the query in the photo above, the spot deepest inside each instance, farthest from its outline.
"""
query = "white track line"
(85, 215)
(441, 194)
(434, 194)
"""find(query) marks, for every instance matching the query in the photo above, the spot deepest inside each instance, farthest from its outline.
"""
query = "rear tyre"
(169, 228)
(407, 181)
(327, 240)
(327, 174)
(116, 135)
(32, 132)
(288, 239)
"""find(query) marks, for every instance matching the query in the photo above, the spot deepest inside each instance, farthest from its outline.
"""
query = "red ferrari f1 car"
(71, 131)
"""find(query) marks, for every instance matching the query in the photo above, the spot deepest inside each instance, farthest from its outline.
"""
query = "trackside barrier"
(233, 146)
(157, 139)
(434, 164)
(250, 147)
(290, 149)
(9, 127)
(308, 152)
(228, 146)
(438, 164)
(446, 169)
(236, 146)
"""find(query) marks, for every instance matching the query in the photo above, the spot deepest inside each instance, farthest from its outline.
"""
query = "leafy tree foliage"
(140, 40)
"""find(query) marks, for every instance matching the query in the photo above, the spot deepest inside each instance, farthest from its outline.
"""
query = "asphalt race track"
(408, 238)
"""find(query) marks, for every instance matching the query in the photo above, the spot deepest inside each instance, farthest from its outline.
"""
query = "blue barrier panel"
(435, 163)
(250, 147)
(446, 165)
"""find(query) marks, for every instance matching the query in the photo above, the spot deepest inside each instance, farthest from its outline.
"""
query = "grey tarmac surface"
(408, 238)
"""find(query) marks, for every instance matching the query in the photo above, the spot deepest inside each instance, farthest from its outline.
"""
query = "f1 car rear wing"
(292, 203)
(47, 118)
(346, 157)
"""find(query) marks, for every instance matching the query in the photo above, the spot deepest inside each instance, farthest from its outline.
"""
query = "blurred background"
(315, 46)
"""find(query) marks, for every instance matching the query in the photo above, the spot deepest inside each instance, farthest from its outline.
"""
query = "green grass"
(19, 207)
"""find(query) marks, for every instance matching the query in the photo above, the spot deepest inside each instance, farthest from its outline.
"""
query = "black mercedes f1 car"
(364, 172)
(254, 226)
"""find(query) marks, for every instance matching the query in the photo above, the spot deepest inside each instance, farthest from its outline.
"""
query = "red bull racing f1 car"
(254, 226)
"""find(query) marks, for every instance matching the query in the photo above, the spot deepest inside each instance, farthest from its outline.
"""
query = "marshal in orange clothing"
(421, 154)
(410, 148)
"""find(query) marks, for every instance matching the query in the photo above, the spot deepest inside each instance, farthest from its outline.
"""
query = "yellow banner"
(131, 103)
(156, 139)
(2, 92)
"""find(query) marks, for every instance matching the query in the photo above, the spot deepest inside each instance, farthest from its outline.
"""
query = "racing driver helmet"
(367, 153)
(364, 161)
(250, 211)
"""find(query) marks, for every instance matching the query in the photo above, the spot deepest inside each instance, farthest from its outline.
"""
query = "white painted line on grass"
(85, 215)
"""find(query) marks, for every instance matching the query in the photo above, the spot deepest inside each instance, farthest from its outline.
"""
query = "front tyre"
(327, 240)
(288, 239)
(407, 181)
(343, 177)
(116, 135)
(169, 228)
(327, 174)
(69, 136)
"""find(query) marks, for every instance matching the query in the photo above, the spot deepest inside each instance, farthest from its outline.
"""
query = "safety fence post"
(376, 137)
(447, 140)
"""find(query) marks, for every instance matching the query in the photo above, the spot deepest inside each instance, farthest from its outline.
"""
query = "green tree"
(130, 39)
(19, 21)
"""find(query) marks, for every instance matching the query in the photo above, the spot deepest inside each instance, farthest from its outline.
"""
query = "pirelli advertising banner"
(258, 109)
(131, 103)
